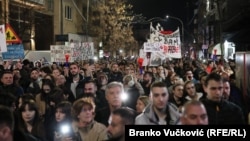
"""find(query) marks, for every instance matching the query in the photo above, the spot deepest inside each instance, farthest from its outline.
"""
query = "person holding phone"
(63, 130)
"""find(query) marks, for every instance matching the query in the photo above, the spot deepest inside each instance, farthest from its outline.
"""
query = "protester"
(7, 84)
(115, 73)
(131, 91)
(6, 124)
(62, 127)
(30, 122)
(113, 93)
(190, 91)
(141, 103)
(194, 113)
(159, 111)
(220, 111)
(148, 79)
(84, 125)
(177, 97)
(120, 117)
(75, 82)
(35, 82)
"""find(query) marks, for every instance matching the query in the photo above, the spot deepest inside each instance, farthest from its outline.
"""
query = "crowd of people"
(93, 102)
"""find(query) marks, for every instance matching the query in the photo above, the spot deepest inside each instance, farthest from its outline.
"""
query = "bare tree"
(110, 23)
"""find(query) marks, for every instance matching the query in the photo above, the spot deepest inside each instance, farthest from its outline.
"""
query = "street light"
(155, 19)
(182, 26)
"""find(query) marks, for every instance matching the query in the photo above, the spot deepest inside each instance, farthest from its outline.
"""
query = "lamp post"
(155, 19)
(182, 26)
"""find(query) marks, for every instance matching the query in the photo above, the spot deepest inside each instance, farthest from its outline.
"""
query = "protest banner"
(3, 46)
(14, 52)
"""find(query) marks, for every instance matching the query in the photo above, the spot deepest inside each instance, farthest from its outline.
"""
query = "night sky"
(160, 8)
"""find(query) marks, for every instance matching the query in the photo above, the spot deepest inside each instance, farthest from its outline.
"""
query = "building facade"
(39, 22)
(218, 21)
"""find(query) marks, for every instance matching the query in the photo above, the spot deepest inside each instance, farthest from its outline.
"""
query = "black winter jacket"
(224, 112)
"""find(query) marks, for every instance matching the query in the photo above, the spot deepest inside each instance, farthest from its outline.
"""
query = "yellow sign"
(11, 36)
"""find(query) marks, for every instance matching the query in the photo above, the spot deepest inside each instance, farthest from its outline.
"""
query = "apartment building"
(41, 23)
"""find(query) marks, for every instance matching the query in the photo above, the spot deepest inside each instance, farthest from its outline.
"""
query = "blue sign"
(13, 52)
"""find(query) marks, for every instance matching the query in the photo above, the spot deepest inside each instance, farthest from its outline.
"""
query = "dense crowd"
(81, 101)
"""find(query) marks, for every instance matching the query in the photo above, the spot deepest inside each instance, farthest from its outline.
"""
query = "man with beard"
(90, 90)
(146, 82)
(220, 111)
(115, 74)
(75, 82)
(35, 85)
(120, 117)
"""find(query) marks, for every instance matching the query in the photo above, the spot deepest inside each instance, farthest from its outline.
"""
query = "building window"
(68, 13)
(50, 5)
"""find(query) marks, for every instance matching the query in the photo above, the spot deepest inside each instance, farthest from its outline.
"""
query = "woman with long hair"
(62, 128)
(29, 120)
(49, 97)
